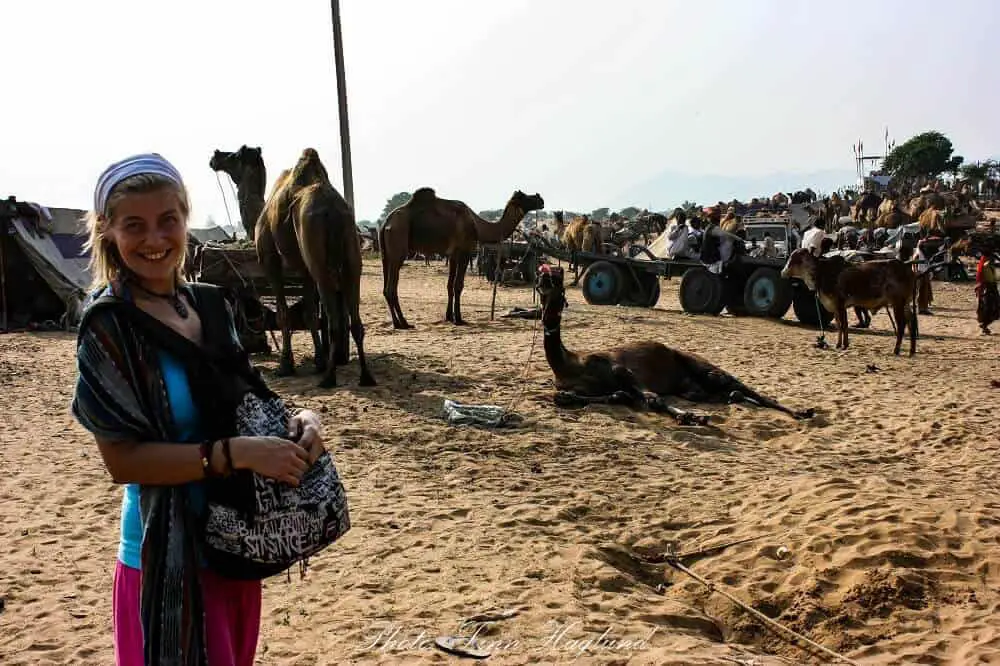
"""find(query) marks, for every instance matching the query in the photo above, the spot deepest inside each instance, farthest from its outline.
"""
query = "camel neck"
(494, 232)
(555, 352)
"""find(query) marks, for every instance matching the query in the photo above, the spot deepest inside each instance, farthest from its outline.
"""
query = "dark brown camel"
(246, 168)
(308, 227)
(641, 373)
(431, 225)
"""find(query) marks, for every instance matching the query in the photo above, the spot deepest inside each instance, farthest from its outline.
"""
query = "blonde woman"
(157, 420)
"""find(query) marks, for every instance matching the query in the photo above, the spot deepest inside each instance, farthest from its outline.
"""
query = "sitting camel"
(246, 168)
(308, 227)
(638, 373)
(428, 224)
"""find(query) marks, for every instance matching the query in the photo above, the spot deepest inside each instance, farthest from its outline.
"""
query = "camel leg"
(398, 320)
(273, 270)
(449, 313)
(351, 306)
(864, 318)
(311, 315)
(658, 403)
(387, 277)
(334, 313)
(461, 263)
(630, 385)
(703, 382)
(342, 340)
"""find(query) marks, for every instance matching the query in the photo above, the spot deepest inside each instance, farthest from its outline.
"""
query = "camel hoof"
(460, 322)
(328, 383)
(805, 413)
(367, 380)
(285, 370)
(402, 326)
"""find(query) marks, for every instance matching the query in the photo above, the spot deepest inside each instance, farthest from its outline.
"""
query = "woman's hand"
(306, 426)
(273, 457)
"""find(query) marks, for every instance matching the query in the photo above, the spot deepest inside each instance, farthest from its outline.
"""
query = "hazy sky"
(581, 101)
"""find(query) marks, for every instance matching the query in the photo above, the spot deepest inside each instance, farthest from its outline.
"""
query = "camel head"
(231, 162)
(802, 265)
(549, 285)
(527, 202)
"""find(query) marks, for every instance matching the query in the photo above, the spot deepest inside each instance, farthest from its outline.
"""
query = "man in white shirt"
(812, 239)
(677, 235)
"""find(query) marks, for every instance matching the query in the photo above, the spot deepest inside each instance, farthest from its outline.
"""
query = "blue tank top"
(186, 418)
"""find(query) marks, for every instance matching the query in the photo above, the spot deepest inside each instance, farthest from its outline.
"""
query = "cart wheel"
(701, 292)
(602, 284)
(804, 304)
(646, 293)
(653, 292)
(767, 294)
(732, 294)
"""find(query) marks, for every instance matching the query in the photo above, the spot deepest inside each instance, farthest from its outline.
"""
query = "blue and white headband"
(145, 163)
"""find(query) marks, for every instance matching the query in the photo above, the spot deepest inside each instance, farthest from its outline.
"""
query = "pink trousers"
(232, 618)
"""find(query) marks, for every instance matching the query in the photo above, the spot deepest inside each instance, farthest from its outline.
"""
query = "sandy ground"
(886, 506)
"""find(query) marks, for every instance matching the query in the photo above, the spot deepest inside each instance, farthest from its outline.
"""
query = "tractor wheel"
(808, 309)
(701, 292)
(767, 294)
(602, 284)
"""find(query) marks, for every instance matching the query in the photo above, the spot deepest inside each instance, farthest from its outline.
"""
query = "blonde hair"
(105, 262)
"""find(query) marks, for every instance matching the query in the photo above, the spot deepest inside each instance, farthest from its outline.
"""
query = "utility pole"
(345, 134)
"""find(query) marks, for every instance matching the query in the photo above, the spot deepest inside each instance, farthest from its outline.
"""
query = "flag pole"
(345, 134)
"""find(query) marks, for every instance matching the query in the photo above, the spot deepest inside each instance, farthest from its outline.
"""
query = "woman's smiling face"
(150, 232)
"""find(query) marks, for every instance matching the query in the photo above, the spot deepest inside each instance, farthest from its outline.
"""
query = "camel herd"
(305, 226)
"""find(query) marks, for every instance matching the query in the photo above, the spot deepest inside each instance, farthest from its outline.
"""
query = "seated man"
(813, 238)
(678, 246)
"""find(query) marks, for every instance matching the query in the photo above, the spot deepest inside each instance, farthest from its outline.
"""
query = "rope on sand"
(712, 587)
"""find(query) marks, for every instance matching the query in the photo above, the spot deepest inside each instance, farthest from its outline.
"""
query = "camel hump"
(423, 195)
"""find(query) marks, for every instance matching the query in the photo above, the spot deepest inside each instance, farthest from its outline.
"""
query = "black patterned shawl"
(121, 395)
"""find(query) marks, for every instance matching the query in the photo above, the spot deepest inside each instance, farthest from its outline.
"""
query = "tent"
(208, 234)
(43, 268)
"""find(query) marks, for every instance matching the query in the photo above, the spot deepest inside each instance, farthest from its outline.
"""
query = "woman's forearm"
(158, 463)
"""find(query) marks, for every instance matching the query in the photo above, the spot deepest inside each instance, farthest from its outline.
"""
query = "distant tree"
(689, 206)
(977, 172)
(394, 202)
(492, 215)
(599, 214)
(629, 212)
(922, 157)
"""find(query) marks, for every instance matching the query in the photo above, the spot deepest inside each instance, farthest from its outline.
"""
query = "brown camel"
(572, 236)
(579, 235)
(246, 168)
(641, 373)
(428, 224)
(308, 227)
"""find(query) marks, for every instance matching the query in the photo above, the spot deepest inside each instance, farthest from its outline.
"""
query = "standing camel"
(308, 227)
(246, 168)
(429, 224)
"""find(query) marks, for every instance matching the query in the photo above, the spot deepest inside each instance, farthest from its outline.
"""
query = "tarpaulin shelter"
(43, 268)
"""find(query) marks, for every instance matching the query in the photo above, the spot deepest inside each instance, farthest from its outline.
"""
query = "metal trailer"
(750, 286)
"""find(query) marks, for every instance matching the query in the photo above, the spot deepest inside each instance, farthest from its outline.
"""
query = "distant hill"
(670, 188)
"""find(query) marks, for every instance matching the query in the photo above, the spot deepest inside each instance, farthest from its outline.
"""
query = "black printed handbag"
(253, 527)
(256, 527)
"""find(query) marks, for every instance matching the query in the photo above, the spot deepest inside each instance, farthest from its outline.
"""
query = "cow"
(871, 285)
